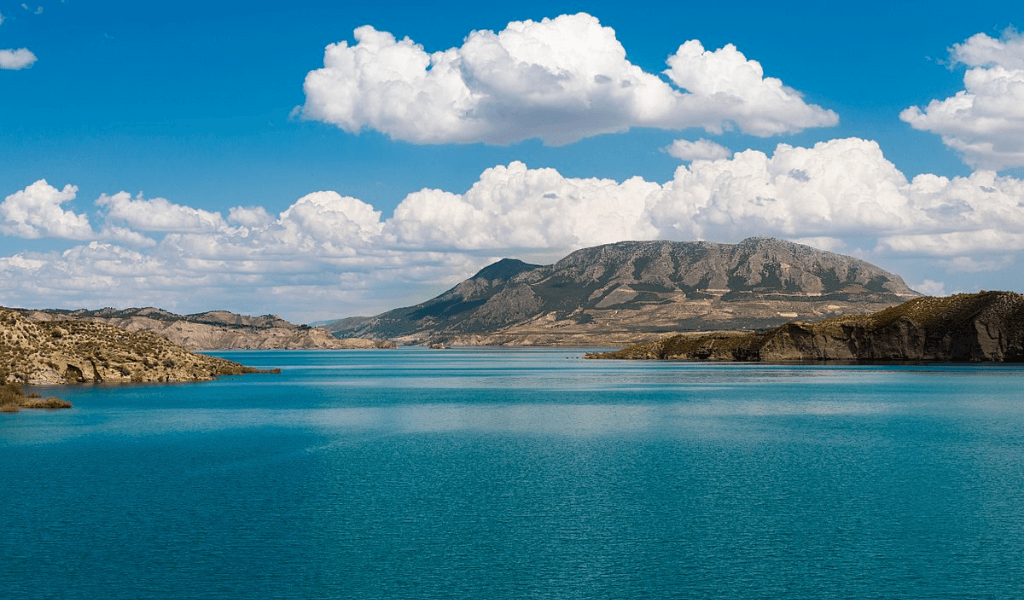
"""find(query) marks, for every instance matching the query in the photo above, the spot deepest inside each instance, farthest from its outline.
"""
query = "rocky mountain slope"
(619, 293)
(988, 326)
(214, 330)
(78, 351)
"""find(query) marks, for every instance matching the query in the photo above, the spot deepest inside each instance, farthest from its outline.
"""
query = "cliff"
(75, 351)
(988, 327)
(619, 293)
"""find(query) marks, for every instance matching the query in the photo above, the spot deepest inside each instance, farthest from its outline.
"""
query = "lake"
(521, 473)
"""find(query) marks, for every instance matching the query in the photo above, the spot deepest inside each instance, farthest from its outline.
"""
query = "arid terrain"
(630, 291)
(983, 327)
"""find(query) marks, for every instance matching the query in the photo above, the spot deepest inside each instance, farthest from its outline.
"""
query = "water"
(521, 474)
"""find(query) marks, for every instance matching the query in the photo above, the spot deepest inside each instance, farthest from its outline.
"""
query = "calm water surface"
(521, 474)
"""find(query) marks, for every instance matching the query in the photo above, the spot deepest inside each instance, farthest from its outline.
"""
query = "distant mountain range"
(213, 330)
(619, 293)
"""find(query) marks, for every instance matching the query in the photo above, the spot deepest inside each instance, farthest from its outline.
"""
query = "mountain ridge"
(211, 330)
(614, 292)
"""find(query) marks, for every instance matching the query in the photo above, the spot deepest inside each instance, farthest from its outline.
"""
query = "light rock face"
(73, 351)
(622, 292)
(984, 327)
(216, 330)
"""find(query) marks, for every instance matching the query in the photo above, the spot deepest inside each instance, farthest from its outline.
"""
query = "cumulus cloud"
(841, 189)
(158, 214)
(833, 189)
(930, 287)
(985, 121)
(36, 212)
(14, 60)
(700, 150)
(559, 80)
(516, 207)
(329, 255)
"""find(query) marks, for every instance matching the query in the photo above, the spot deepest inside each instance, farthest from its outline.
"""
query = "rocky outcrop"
(78, 351)
(986, 327)
(622, 292)
(215, 330)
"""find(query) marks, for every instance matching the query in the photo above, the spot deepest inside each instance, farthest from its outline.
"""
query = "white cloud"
(35, 212)
(560, 80)
(837, 190)
(333, 219)
(14, 60)
(516, 207)
(985, 121)
(328, 255)
(834, 189)
(981, 50)
(968, 264)
(700, 150)
(930, 287)
(158, 214)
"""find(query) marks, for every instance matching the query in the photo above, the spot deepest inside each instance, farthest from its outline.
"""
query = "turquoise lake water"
(492, 474)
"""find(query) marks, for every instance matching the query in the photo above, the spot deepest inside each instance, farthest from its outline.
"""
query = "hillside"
(78, 351)
(987, 326)
(213, 330)
(619, 293)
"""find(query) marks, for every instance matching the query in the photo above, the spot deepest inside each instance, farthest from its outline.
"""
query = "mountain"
(619, 293)
(213, 330)
(988, 327)
(77, 351)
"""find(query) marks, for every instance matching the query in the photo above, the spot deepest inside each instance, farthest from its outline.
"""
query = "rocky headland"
(80, 351)
(983, 327)
(622, 293)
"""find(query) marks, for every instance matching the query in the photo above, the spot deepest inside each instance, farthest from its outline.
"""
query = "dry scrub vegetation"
(982, 326)
(72, 351)
(13, 398)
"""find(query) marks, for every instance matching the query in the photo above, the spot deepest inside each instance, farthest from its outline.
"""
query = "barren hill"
(74, 351)
(212, 330)
(619, 293)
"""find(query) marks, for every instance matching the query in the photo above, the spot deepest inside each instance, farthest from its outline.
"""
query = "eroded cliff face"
(986, 327)
(71, 351)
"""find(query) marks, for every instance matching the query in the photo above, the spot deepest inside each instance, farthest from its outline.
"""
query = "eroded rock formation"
(988, 327)
(74, 351)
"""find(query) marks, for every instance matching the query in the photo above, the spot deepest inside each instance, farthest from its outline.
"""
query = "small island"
(13, 398)
(982, 327)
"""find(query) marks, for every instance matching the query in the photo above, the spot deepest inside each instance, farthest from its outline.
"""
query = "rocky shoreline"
(983, 327)
(73, 351)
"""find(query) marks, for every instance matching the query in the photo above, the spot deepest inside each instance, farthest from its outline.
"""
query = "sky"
(318, 160)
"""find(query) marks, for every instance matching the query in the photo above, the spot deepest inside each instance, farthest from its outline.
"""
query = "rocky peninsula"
(982, 327)
(79, 351)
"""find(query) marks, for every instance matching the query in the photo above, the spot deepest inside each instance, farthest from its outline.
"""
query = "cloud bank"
(985, 121)
(560, 80)
(329, 255)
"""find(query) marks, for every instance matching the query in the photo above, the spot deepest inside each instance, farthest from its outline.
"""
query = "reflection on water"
(488, 473)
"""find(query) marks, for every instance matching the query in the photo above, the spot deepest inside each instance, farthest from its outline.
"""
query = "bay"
(525, 473)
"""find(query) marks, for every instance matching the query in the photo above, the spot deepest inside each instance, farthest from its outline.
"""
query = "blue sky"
(215, 162)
